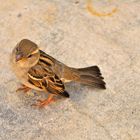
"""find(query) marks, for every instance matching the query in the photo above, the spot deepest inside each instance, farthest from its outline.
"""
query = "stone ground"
(76, 35)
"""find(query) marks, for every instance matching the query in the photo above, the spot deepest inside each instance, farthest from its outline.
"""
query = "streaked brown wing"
(42, 76)
(47, 59)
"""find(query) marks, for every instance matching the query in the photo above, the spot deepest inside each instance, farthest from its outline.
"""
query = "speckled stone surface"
(69, 32)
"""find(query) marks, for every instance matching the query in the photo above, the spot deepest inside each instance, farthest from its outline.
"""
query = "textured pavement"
(76, 34)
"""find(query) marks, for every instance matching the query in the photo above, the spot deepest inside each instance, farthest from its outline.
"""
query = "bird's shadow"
(79, 93)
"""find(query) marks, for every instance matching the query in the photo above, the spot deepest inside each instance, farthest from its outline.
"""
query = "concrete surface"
(70, 32)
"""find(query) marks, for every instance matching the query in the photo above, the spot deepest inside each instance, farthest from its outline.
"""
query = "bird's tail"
(91, 76)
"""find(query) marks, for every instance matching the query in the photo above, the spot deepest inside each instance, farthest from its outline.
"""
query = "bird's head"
(26, 53)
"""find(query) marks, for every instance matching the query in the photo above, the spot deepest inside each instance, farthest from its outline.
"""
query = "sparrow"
(40, 71)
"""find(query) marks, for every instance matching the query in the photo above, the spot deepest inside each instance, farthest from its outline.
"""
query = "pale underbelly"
(22, 75)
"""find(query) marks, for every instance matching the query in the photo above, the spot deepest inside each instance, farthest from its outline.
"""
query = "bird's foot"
(43, 103)
(23, 88)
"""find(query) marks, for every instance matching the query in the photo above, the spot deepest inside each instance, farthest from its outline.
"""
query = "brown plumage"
(37, 70)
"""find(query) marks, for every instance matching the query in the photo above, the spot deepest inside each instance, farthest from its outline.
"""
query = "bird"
(39, 71)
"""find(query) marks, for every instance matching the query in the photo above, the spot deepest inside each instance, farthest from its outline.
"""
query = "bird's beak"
(18, 57)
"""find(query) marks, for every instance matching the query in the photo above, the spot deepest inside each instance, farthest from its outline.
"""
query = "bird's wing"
(43, 77)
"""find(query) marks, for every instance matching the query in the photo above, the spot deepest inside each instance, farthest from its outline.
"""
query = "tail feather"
(91, 76)
(93, 71)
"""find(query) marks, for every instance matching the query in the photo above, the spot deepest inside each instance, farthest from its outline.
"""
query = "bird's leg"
(23, 88)
(42, 103)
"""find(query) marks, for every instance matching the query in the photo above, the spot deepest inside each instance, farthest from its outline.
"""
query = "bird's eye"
(30, 56)
(17, 49)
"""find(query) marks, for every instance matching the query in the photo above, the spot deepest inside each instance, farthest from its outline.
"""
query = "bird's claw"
(23, 88)
(43, 103)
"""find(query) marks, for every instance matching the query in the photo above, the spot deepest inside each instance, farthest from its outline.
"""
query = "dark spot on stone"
(76, 2)
(19, 15)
